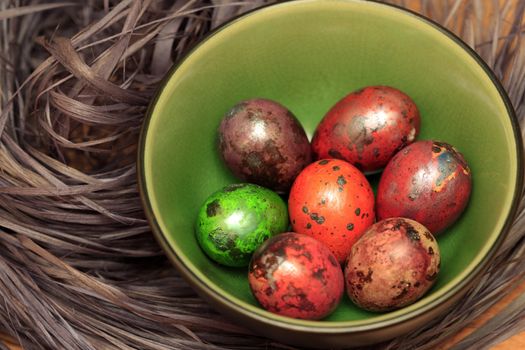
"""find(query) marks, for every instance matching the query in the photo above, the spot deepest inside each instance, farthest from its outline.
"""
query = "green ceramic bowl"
(307, 55)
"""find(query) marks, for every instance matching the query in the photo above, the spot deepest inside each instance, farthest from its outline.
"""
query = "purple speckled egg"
(262, 142)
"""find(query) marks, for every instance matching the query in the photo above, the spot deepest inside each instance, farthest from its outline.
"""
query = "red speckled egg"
(332, 201)
(428, 181)
(392, 265)
(367, 127)
(262, 142)
(297, 276)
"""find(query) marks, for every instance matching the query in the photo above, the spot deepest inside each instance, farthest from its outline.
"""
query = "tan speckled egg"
(392, 265)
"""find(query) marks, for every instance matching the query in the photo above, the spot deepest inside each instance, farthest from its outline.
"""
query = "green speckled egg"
(236, 220)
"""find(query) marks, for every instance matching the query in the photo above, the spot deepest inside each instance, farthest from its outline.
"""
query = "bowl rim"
(285, 322)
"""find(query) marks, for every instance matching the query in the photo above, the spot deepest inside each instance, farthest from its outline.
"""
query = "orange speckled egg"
(332, 201)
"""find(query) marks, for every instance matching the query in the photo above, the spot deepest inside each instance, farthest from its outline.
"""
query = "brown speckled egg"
(428, 181)
(263, 143)
(392, 265)
(297, 276)
(367, 127)
(332, 201)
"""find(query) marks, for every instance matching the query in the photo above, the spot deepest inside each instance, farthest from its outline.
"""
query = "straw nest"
(79, 268)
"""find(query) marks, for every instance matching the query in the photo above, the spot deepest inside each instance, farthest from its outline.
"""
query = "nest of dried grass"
(79, 268)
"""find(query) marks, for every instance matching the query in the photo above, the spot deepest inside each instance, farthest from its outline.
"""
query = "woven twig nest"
(79, 268)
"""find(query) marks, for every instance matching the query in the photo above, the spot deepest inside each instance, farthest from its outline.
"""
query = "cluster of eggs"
(302, 256)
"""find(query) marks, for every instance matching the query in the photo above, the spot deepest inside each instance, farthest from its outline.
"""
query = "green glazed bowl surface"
(307, 55)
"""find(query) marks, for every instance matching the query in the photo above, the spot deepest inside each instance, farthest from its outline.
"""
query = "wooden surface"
(516, 342)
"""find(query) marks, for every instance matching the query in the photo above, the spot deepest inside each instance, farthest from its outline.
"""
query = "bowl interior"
(307, 55)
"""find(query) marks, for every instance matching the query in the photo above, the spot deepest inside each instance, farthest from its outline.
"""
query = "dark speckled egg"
(367, 127)
(236, 220)
(332, 201)
(263, 143)
(297, 276)
(428, 181)
(392, 265)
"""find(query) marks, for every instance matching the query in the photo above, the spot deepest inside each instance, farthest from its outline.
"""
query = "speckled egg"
(297, 276)
(332, 201)
(392, 265)
(367, 127)
(262, 142)
(236, 220)
(428, 181)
